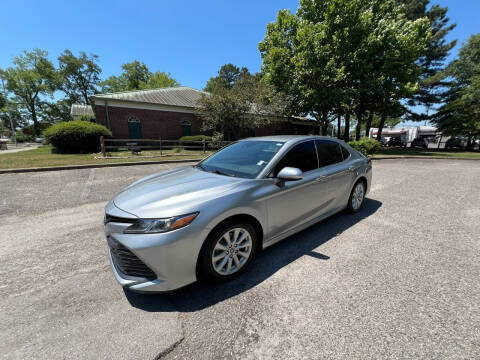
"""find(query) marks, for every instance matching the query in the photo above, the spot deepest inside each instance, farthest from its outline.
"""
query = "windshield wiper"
(216, 171)
(201, 167)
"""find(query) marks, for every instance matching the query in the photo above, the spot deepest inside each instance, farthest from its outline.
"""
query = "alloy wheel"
(232, 251)
(358, 195)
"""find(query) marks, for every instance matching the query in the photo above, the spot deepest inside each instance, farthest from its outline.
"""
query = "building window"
(186, 128)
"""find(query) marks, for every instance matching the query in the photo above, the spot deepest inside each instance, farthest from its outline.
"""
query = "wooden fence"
(138, 145)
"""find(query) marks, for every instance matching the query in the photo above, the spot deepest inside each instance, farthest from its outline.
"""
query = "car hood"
(173, 192)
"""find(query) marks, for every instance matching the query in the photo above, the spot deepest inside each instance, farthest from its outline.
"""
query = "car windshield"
(242, 159)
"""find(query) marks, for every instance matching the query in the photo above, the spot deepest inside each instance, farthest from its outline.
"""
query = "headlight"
(151, 226)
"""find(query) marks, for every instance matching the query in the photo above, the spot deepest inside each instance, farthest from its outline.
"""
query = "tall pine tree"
(432, 90)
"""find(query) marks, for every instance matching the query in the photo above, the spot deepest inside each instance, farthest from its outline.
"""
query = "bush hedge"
(195, 138)
(20, 137)
(366, 145)
(76, 136)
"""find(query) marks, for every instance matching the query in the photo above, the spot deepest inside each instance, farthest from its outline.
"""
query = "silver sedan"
(209, 220)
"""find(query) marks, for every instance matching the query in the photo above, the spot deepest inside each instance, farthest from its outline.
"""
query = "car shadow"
(201, 295)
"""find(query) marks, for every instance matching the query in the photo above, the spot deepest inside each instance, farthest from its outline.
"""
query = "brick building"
(169, 113)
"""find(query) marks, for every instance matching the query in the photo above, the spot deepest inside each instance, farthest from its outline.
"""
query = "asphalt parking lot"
(399, 280)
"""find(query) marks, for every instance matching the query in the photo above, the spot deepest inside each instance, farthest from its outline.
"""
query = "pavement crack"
(172, 347)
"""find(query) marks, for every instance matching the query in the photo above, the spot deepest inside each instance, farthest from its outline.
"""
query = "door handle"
(320, 178)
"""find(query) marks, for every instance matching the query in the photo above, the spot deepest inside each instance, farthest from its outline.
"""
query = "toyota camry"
(209, 220)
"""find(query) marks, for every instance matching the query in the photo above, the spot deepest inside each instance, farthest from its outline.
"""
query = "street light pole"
(14, 134)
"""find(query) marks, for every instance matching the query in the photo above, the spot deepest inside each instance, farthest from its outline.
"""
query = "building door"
(134, 129)
(186, 128)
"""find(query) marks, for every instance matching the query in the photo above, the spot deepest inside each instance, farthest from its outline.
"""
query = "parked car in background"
(419, 143)
(209, 220)
(457, 142)
(39, 140)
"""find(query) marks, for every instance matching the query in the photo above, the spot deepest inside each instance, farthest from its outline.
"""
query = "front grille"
(111, 218)
(127, 262)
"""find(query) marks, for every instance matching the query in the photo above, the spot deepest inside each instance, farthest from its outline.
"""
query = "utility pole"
(14, 133)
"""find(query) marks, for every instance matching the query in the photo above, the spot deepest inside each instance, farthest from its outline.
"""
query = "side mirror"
(290, 173)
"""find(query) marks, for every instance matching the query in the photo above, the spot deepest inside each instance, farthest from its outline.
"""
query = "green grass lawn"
(43, 156)
(387, 152)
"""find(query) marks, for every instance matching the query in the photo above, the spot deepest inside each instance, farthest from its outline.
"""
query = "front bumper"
(172, 256)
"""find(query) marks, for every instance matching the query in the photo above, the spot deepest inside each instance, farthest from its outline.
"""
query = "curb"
(420, 158)
(89, 166)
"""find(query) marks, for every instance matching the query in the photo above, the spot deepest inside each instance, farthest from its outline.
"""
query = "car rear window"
(329, 152)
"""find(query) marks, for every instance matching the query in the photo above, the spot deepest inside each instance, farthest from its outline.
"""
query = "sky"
(189, 39)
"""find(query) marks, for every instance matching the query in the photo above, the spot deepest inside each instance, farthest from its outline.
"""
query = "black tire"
(206, 270)
(350, 206)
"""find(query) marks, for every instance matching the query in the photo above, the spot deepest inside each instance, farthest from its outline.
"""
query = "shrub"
(86, 117)
(216, 141)
(195, 138)
(76, 136)
(20, 137)
(366, 145)
(177, 149)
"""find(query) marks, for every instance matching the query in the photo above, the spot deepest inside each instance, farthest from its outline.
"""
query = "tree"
(460, 114)
(79, 76)
(32, 79)
(137, 76)
(297, 60)
(248, 104)
(224, 111)
(397, 44)
(58, 111)
(4, 115)
(113, 84)
(134, 74)
(227, 76)
(159, 79)
(342, 56)
(431, 90)
(7, 111)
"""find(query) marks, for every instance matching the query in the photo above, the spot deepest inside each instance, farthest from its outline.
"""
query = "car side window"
(302, 156)
(329, 152)
(345, 152)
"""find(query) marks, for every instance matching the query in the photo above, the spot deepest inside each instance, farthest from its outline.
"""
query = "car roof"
(289, 138)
